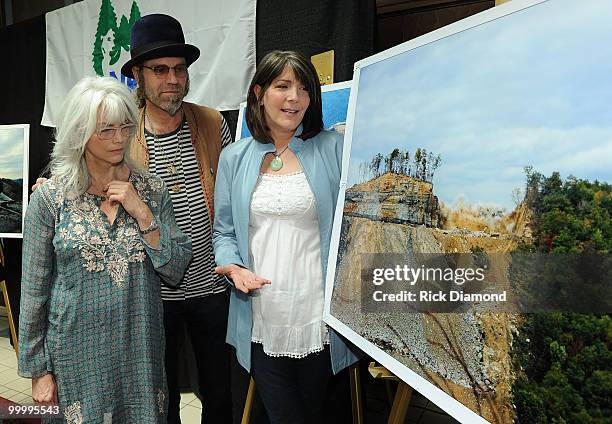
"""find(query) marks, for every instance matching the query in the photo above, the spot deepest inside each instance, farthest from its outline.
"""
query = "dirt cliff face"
(520, 221)
(464, 354)
(487, 220)
(394, 198)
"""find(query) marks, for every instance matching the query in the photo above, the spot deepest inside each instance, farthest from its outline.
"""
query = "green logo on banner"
(110, 37)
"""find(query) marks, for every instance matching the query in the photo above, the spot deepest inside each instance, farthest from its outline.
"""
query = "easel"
(248, 403)
(356, 403)
(401, 401)
(399, 406)
(7, 305)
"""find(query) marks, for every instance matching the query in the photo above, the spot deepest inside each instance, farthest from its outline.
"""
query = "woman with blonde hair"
(100, 238)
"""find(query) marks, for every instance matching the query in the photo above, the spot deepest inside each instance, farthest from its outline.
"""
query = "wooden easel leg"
(248, 403)
(400, 404)
(9, 314)
(356, 402)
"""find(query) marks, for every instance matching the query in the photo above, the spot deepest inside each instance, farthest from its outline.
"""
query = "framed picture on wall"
(14, 142)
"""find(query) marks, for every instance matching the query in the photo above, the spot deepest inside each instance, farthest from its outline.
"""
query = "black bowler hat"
(156, 36)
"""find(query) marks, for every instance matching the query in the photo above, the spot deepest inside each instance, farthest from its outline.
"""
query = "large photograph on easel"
(483, 138)
(13, 178)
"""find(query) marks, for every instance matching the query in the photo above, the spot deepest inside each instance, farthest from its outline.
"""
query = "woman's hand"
(124, 192)
(244, 279)
(44, 389)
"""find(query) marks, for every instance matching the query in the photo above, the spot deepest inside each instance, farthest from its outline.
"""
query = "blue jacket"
(239, 166)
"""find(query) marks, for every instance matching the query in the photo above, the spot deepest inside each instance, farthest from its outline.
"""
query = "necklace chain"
(171, 167)
(282, 151)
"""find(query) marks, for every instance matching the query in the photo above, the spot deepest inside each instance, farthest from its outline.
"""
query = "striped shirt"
(173, 159)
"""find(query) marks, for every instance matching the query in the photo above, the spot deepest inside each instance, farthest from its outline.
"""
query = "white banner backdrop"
(92, 38)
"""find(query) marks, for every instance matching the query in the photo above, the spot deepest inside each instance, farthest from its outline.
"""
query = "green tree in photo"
(565, 359)
(375, 164)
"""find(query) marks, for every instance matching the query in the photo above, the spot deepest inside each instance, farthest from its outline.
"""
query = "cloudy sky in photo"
(531, 88)
(11, 152)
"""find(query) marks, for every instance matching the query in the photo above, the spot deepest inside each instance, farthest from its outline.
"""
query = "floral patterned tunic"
(91, 309)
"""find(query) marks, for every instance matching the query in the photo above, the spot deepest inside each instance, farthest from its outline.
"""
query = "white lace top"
(285, 248)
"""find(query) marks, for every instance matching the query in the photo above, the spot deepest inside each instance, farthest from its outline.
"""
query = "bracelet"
(152, 227)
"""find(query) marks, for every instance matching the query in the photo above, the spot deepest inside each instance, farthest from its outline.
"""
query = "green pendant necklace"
(277, 163)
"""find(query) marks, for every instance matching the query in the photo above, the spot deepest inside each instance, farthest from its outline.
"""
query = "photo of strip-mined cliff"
(397, 212)
(518, 111)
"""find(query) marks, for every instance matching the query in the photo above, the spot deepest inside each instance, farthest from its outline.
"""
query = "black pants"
(292, 390)
(206, 321)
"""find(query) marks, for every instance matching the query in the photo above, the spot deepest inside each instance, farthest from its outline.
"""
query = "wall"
(403, 20)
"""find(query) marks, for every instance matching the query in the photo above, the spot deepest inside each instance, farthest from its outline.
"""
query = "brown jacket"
(205, 127)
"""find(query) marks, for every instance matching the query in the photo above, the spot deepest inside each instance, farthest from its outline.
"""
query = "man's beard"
(170, 104)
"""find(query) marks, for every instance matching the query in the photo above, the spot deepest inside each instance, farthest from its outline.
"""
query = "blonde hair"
(91, 102)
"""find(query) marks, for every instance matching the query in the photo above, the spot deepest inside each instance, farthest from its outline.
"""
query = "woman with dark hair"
(99, 238)
(275, 198)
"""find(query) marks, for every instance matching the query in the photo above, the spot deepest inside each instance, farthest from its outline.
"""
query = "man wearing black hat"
(181, 143)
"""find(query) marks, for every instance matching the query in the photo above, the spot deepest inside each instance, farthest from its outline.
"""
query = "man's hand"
(44, 389)
(243, 279)
(39, 181)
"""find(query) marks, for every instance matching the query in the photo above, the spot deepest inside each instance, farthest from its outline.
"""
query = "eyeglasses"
(162, 70)
(108, 133)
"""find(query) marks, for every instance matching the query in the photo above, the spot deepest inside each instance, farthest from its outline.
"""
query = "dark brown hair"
(270, 67)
